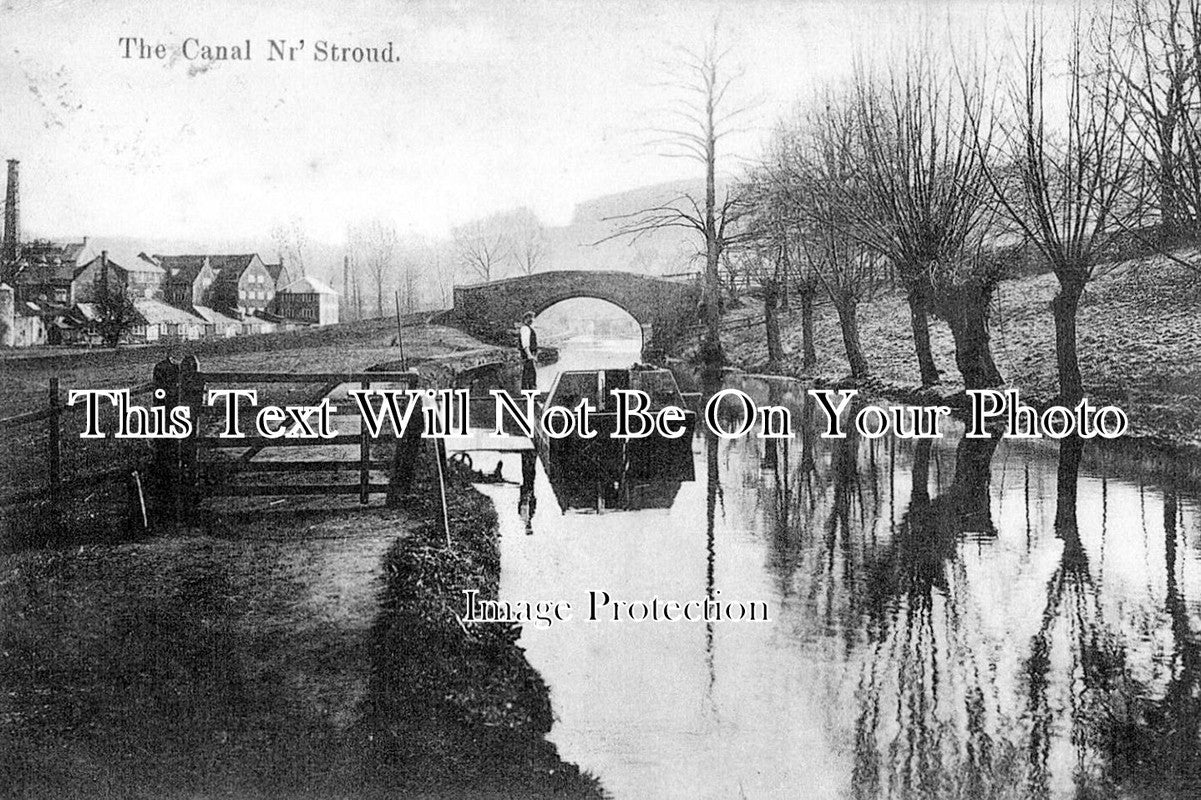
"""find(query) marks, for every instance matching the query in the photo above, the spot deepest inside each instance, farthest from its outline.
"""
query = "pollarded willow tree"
(819, 173)
(774, 226)
(922, 203)
(765, 256)
(1071, 183)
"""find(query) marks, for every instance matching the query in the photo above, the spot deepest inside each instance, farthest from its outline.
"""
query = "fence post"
(165, 481)
(364, 455)
(404, 459)
(191, 394)
(54, 456)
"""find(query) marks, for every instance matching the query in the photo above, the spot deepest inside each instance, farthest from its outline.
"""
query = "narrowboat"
(574, 461)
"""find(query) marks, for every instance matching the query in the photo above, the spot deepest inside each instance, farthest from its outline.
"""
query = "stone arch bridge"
(492, 311)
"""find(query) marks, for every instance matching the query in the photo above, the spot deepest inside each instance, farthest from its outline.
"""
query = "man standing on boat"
(527, 343)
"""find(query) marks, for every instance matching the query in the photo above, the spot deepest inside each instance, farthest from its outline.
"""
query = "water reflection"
(950, 618)
(618, 480)
(527, 500)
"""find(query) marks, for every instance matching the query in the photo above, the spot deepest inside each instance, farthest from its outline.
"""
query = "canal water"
(956, 619)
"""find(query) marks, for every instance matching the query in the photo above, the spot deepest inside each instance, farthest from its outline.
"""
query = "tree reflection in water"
(928, 708)
(987, 652)
(1157, 744)
(1095, 657)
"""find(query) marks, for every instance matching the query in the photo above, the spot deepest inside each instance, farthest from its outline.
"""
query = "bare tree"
(1155, 63)
(823, 174)
(804, 280)
(441, 274)
(412, 268)
(774, 191)
(376, 247)
(1070, 188)
(292, 242)
(116, 314)
(481, 251)
(702, 118)
(922, 203)
(764, 256)
(528, 238)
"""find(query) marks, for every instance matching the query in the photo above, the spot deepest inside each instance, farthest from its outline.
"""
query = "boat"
(603, 460)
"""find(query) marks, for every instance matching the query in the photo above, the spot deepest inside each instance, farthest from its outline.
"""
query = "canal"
(947, 619)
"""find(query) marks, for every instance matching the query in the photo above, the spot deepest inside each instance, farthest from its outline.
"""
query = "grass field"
(354, 345)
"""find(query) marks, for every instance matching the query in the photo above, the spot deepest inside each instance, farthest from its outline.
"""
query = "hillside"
(1139, 339)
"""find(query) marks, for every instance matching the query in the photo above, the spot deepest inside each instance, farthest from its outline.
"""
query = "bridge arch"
(491, 311)
(566, 312)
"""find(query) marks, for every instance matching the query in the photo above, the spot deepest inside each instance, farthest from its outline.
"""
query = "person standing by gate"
(527, 343)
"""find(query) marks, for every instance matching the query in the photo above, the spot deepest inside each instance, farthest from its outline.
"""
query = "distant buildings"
(138, 276)
(45, 271)
(308, 300)
(50, 293)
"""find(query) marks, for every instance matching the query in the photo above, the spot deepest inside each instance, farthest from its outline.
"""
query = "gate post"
(165, 481)
(404, 459)
(191, 394)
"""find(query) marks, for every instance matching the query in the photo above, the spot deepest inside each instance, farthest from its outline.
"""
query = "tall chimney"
(12, 219)
(103, 276)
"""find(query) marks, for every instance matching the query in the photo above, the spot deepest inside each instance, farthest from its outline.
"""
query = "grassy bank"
(272, 654)
(1139, 338)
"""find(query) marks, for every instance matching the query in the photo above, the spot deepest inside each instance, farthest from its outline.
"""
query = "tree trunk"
(809, 353)
(712, 355)
(967, 314)
(1064, 307)
(775, 352)
(850, 338)
(919, 318)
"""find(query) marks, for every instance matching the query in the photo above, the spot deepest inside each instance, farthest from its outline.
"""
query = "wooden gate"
(206, 465)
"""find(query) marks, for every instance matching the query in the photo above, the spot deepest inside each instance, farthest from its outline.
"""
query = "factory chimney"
(11, 247)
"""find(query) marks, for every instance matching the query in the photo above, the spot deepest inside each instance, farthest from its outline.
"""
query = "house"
(135, 274)
(308, 300)
(187, 280)
(279, 274)
(243, 284)
(45, 271)
(216, 323)
(80, 325)
(229, 283)
(34, 324)
(158, 320)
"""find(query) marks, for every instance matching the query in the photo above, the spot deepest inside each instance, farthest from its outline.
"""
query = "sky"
(490, 105)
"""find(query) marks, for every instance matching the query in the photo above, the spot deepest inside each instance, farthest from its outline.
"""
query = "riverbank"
(295, 653)
(289, 648)
(1139, 340)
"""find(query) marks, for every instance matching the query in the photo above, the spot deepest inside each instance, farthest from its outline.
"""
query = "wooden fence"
(53, 450)
(186, 469)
